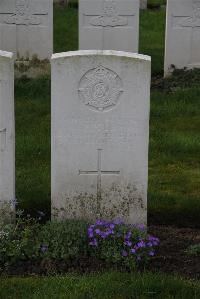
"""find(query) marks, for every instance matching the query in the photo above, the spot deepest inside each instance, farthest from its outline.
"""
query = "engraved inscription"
(189, 21)
(110, 16)
(114, 130)
(23, 15)
(100, 88)
(99, 172)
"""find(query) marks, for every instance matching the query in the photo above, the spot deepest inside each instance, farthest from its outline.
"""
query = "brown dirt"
(170, 258)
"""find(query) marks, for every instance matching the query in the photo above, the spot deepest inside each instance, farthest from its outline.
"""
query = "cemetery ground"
(174, 181)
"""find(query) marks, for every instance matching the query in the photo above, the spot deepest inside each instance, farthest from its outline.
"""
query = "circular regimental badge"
(100, 88)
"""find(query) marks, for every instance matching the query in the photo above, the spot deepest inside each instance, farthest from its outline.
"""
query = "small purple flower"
(100, 222)
(141, 227)
(44, 248)
(128, 243)
(103, 235)
(112, 226)
(107, 233)
(111, 232)
(128, 235)
(151, 253)
(133, 250)
(93, 243)
(141, 244)
(138, 258)
(149, 244)
(97, 231)
(118, 221)
(124, 253)
(90, 232)
(154, 240)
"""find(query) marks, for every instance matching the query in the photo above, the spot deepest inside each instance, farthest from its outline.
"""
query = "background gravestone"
(26, 28)
(109, 25)
(100, 133)
(143, 4)
(7, 134)
(182, 47)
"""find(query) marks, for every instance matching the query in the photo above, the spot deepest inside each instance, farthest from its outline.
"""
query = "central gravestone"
(109, 25)
(100, 127)
(26, 28)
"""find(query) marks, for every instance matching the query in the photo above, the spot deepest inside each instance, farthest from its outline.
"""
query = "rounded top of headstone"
(5, 54)
(101, 52)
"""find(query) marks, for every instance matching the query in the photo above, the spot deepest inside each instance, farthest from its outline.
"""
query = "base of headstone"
(143, 4)
(32, 68)
(7, 213)
(170, 71)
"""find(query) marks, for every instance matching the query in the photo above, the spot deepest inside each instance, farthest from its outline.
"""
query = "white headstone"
(100, 133)
(143, 4)
(109, 25)
(7, 133)
(182, 47)
(26, 28)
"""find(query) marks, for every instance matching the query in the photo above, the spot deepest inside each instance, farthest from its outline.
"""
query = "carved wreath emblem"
(100, 88)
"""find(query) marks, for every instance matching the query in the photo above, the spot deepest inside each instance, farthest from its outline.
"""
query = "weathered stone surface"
(26, 28)
(182, 47)
(100, 127)
(143, 4)
(7, 133)
(109, 25)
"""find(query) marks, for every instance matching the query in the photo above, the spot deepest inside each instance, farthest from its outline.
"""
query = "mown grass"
(152, 37)
(174, 172)
(174, 161)
(32, 110)
(110, 285)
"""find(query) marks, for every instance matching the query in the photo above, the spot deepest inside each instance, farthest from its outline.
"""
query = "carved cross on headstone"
(99, 172)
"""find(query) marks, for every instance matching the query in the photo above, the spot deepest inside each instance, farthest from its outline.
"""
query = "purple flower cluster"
(101, 230)
(132, 241)
(144, 246)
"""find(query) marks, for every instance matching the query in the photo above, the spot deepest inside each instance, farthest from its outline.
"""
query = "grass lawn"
(174, 172)
(110, 285)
